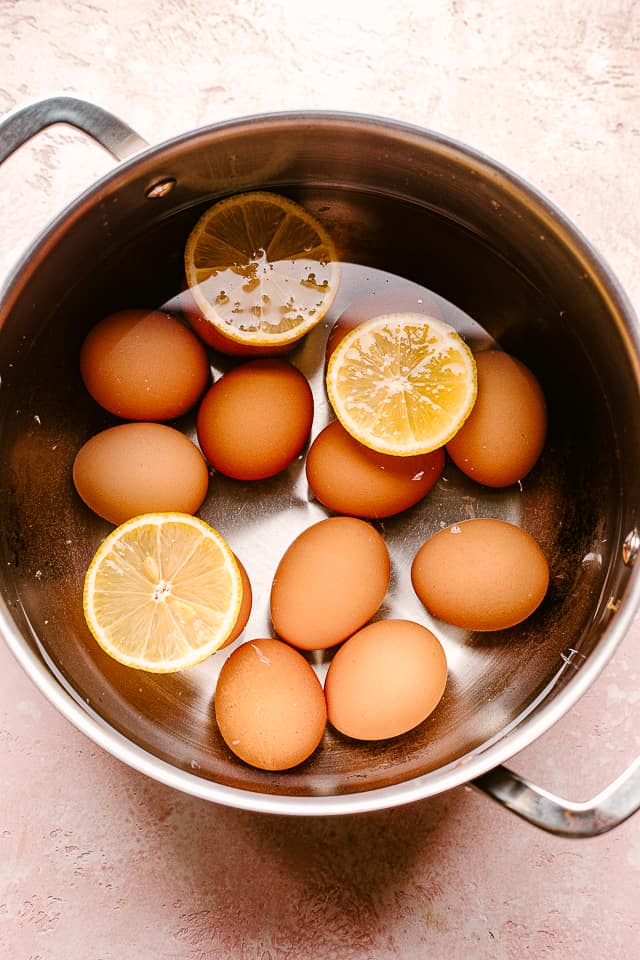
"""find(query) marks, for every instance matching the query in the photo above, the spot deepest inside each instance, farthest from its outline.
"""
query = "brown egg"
(139, 468)
(503, 436)
(329, 583)
(385, 680)
(245, 607)
(481, 574)
(269, 705)
(144, 365)
(255, 420)
(349, 478)
(394, 300)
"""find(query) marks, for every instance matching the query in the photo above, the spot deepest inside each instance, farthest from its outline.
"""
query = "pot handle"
(566, 818)
(110, 132)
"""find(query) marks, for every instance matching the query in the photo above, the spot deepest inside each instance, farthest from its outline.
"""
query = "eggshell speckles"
(144, 365)
(255, 420)
(385, 680)
(269, 705)
(349, 478)
(503, 437)
(329, 583)
(481, 574)
(139, 468)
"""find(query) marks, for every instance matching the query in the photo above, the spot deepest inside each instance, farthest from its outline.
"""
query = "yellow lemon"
(402, 383)
(261, 270)
(162, 592)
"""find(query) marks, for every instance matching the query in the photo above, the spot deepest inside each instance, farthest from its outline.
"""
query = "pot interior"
(405, 210)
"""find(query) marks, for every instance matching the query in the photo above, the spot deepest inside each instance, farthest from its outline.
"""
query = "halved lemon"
(162, 592)
(262, 270)
(402, 383)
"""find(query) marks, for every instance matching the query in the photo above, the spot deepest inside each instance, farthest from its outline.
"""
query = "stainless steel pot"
(397, 199)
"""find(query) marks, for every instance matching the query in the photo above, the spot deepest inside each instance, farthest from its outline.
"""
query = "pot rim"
(538, 717)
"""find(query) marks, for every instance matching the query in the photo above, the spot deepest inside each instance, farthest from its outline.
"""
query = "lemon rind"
(197, 655)
(366, 439)
(251, 337)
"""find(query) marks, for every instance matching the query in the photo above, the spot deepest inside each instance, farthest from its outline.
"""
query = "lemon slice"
(402, 383)
(162, 592)
(261, 269)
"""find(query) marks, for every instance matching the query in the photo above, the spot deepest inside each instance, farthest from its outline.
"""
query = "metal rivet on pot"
(630, 547)
(160, 188)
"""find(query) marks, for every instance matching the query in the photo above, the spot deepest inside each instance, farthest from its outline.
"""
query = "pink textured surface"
(95, 860)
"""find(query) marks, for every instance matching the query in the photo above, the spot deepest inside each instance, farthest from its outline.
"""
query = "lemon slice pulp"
(402, 383)
(162, 592)
(261, 269)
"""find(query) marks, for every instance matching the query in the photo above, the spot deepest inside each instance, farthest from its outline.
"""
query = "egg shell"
(137, 468)
(482, 574)
(144, 365)
(385, 680)
(245, 607)
(505, 433)
(329, 583)
(349, 478)
(269, 705)
(255, 420)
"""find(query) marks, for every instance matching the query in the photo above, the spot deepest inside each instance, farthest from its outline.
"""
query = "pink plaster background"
(99, 863)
